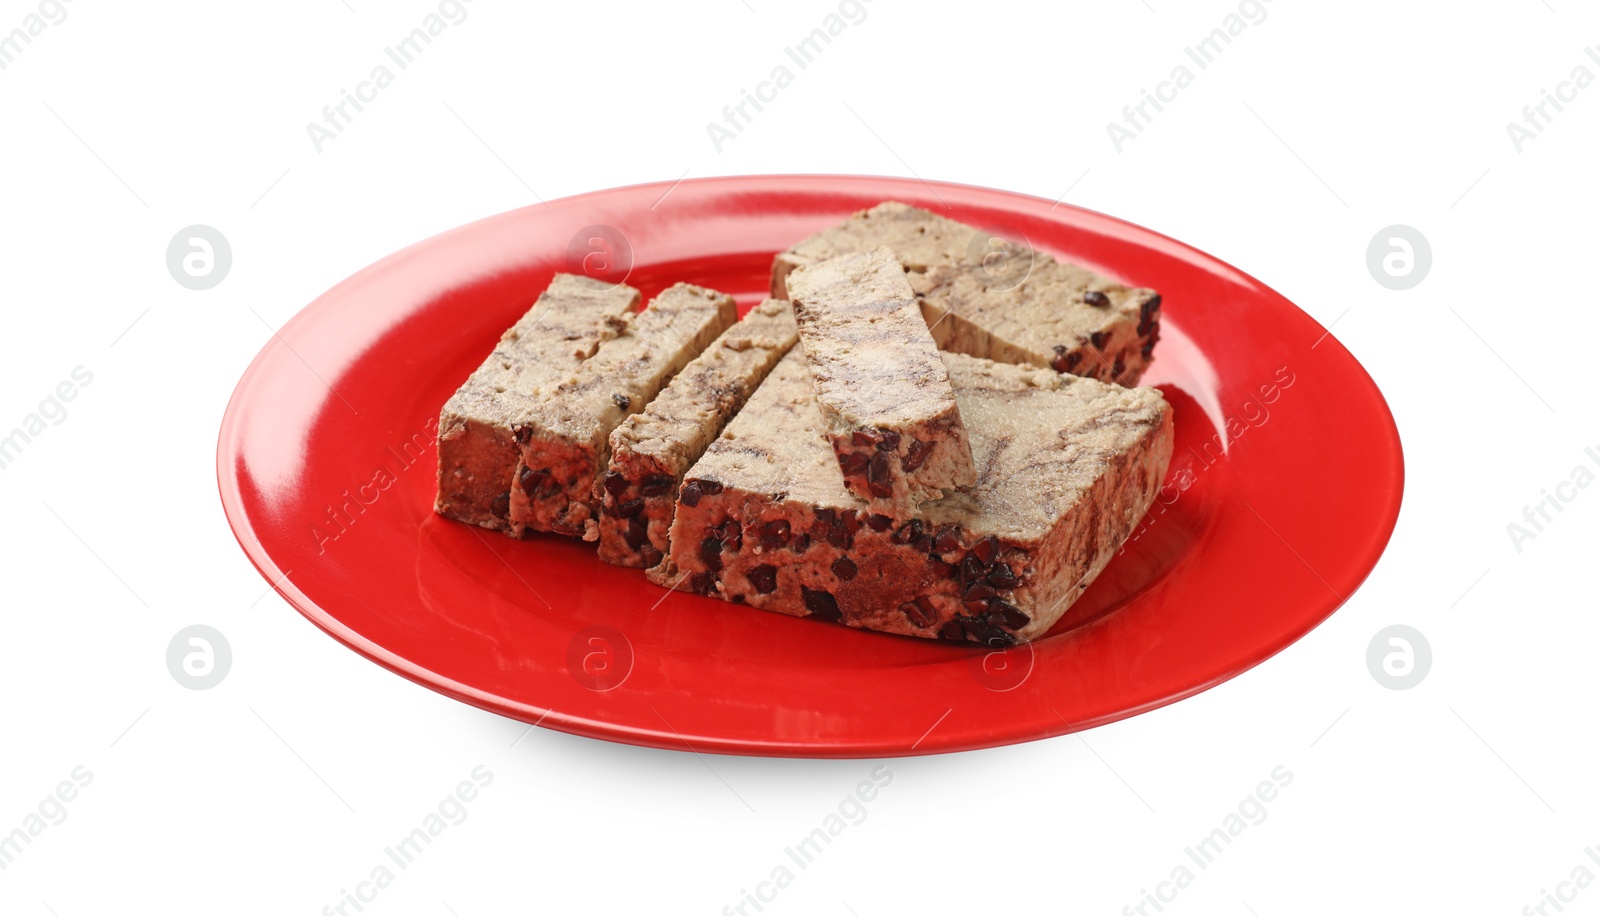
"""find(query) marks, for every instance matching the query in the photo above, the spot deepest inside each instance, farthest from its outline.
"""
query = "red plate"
(1283, 491)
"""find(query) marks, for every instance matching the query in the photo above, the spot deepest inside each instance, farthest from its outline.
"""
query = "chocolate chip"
(801, 543)
(853, 464)
(971, 570)
(921, 612)
(839, 534)
(775, 534)
(501, 505)
(531, 480)
(1096, 298)
(916, 453)
(844, 568)
(979, 591)
(711, 554)
(1150, 343)
(655, 484)
(764, 578)
(709, 487)
(864, 437)
(923, 543)
(616, 484)
(976, 605)
(1008, 615)
(1098, 339)
(701, 582)
(879, 522)
(947, 540)
(638, 533)
(1002, 576)
(621, 400)
(878, 481)
(939, 567)
(630, 508)
(731, 534)
(737, 599)
(1116, 368)
(986, 631)
(820, 603)
(1149, 306)
(986, 550)
(953, 631)
(650, 556)
(690, 495)
(888, 440)
(822, 523)
(523, 434)
(1064, 361)
(909, 532)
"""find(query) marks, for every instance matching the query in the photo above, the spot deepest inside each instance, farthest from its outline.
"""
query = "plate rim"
(1011, 732)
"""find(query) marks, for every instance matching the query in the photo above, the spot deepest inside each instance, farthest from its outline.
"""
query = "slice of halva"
(563, 437)
(651, 450)
(1066, 468)
(885, 395)
(985, 296)
(477, 445)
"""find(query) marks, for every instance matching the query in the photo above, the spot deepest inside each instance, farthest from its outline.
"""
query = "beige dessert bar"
(563, 439)
(1068, 466)
(477, 447)
(651, 450)
(887, 406)
(984, 296)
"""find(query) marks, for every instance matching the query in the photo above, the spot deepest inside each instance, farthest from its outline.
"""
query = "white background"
(1316, 128)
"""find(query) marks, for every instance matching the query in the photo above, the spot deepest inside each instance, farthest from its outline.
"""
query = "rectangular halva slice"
(885, 394)
(1067, 466)
(651, 450)
(477, 448)
(563, 438)
(985, 296)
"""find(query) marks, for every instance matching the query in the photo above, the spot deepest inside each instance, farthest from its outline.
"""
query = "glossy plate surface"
(1283, 491)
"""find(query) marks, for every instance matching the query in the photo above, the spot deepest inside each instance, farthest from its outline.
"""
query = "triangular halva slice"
(985, 296)
(1066, 468)
(477, 446)
(886, 400)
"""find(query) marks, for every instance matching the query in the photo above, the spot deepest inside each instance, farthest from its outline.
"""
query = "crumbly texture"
(651, 450)
(477, 447)
(1066, 468)
(984, 296)
(563, 437)
(886, 400)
